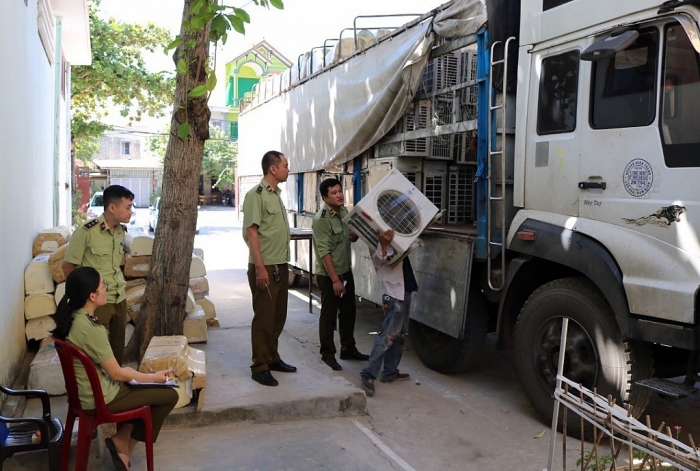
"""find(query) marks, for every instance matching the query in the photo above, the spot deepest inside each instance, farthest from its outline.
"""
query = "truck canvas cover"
(307, 122)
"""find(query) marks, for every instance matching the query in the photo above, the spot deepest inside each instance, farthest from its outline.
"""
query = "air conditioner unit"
(408, 166)
(393, 203)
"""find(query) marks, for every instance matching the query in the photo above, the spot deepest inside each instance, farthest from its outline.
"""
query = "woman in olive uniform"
(77, 324)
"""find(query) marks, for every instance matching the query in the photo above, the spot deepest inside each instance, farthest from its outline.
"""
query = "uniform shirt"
(94, 245)
(331, 236)
(263, 206)
(87, 334)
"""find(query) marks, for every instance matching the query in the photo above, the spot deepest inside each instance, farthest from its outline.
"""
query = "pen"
(268, 291)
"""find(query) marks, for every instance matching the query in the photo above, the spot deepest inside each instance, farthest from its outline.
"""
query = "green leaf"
(211, 81)
(184, 130)
(242, 14)
(196, 7)
(175, 43)
(197, 91)
(219, 26)
(277, 4)
(181, 66)
(237, 24)
(198, 22)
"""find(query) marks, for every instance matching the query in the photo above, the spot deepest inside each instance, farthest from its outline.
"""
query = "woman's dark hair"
(80, 283)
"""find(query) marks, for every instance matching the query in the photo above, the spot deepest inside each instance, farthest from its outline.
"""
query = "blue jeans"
(385, 350)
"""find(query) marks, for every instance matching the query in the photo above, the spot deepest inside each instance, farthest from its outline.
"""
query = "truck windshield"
(680, 117)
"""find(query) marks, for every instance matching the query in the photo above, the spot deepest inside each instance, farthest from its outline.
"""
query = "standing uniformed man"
(334, 278)
(266, 232)
(99, 243)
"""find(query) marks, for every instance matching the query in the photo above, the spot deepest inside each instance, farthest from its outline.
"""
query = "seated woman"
(76, 323)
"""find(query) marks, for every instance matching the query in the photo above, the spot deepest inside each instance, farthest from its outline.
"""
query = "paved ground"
(478, 420)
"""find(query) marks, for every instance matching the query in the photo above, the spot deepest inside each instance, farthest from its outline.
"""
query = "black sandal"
(116, 459)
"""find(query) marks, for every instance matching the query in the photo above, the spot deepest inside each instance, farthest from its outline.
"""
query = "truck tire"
(446, 354)
(597, 355)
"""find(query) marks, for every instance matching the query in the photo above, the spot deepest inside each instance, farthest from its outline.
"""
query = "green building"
(243, 74)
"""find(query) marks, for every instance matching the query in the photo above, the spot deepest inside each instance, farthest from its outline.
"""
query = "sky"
(302, 25)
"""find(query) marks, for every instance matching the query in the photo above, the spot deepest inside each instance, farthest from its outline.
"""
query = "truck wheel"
(597, 355)
(446, 354)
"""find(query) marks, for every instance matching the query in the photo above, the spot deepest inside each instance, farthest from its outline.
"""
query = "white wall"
(26, 166)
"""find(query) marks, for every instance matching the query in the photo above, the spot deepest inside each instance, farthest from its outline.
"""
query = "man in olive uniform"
(332, 240)
(266, 232)
(99, 244)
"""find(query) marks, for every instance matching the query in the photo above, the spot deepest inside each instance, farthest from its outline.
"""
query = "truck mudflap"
(443, 270)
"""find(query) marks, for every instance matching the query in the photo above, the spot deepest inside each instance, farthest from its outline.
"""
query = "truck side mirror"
(617, 40)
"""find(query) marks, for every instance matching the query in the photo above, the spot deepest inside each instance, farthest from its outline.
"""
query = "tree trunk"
(163, 308)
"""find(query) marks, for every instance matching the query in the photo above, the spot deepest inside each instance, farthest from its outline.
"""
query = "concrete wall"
(31, 190)
(111, 147)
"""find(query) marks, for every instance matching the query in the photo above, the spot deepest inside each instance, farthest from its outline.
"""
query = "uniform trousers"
(161, 399)
(114, 317)
(269, 315)
(336, 311)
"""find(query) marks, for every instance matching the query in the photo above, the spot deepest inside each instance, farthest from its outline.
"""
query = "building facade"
(39, 41)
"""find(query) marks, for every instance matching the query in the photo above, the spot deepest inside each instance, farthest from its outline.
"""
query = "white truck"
(562, 140)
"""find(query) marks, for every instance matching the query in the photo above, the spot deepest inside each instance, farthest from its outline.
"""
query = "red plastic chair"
(88, 423)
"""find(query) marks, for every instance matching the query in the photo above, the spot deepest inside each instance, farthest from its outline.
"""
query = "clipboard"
(168, 384)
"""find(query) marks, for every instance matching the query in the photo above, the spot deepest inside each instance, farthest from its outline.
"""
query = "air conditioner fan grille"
(398, 212)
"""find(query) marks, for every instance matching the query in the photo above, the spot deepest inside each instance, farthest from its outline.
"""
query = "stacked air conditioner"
(393, 203)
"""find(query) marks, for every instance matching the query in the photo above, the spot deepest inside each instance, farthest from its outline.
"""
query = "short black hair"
(114, 193)
(327, 184)
(271, 157)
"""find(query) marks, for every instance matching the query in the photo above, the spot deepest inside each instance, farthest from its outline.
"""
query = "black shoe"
(282, 367)
(367, 384)
(353, 355)
(335, 366)
(398, 377)
(265, 378)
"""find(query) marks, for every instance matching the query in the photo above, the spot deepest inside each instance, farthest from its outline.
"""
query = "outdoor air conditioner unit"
(393, 203)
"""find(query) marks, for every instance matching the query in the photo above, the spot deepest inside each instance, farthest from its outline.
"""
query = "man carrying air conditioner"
(332, 238)
(398, 282)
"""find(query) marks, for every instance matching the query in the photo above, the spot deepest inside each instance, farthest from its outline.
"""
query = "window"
(234, 130)
(624, 85)
(556, 110)
(47, 28)
(549, 4)
(126, 148)
(679, 122)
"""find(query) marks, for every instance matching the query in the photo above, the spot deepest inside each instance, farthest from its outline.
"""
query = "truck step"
(667, 388)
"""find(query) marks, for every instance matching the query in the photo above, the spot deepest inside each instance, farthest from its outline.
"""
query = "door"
(140, 187)
(553, 144)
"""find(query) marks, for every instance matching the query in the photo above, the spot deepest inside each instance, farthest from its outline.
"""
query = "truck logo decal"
(663, 217)
(638, 177)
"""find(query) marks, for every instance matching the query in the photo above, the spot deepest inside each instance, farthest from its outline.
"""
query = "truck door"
(553, 146)
(621, 148)
(640, 167)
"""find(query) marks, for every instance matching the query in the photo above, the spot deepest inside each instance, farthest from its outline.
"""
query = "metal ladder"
(491, 155)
